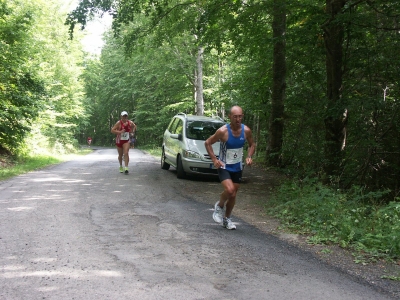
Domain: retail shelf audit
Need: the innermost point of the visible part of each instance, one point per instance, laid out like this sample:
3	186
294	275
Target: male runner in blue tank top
232	137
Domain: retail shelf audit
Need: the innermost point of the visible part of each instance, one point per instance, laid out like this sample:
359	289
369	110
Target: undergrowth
11	166
152	150
25	164
353	219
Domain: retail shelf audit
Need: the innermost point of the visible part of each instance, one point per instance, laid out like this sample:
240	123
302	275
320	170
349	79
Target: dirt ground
5	161
255	191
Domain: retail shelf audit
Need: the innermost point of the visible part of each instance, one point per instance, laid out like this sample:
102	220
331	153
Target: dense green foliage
41	95
21	91
161	38
355	219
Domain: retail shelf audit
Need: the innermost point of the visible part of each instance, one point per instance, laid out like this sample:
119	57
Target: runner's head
124	114
236	115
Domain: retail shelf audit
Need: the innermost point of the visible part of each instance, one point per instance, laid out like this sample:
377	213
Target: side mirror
177	136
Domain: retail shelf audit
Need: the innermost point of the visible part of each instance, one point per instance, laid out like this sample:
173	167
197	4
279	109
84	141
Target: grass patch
395	278
352	219
11	167
152	150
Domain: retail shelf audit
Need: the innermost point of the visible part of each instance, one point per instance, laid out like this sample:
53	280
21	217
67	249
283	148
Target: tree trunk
336	113
276	123
199	83
256	130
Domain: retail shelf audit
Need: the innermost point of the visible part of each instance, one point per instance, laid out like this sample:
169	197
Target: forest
318	82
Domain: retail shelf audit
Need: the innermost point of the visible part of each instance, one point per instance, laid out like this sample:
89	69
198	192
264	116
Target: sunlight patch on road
44	259
65	273
47	179
21	208
13	268
48	289
73	181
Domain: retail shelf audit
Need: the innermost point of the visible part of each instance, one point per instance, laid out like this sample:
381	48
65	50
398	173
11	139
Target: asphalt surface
82	230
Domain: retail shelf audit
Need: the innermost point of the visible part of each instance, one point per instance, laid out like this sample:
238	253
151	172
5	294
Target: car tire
179	169
164	165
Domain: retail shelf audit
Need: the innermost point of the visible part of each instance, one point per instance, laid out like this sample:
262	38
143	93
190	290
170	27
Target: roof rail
217	117
182	114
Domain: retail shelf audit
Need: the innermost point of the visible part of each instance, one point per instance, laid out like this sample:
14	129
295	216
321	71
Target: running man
122	129
132	140
232	137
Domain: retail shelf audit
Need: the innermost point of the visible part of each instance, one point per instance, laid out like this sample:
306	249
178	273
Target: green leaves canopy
39	74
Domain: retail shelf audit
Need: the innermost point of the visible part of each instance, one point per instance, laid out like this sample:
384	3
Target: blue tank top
231	151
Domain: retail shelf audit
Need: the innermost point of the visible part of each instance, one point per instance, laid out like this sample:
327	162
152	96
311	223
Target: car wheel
179	168
164	165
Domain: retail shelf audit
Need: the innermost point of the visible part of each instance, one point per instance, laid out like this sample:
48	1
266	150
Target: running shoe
121	169
218	213
126	170
227	223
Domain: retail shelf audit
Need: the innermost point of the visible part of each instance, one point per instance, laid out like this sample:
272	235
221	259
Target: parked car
183	144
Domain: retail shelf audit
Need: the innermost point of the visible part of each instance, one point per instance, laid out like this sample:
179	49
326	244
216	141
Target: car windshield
202	130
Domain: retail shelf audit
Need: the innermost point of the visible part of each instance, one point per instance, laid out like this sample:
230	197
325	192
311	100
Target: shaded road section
82	230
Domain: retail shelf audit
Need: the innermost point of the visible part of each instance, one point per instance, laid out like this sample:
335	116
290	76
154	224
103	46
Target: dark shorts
236	177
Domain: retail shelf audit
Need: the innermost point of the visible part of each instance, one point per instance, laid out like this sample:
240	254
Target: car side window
179	127
172	125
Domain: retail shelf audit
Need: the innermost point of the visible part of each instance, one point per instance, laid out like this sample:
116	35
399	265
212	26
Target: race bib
125	136
234	156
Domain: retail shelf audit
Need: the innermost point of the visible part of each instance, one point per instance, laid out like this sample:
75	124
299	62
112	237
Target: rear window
202	130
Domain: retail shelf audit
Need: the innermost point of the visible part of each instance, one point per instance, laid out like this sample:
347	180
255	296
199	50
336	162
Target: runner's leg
120	152
228	196
126	153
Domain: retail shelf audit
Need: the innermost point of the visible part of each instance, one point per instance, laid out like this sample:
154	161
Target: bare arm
219	135
252	146
133	129
116	128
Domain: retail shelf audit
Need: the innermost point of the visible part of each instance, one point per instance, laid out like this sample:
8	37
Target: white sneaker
227	223
218	213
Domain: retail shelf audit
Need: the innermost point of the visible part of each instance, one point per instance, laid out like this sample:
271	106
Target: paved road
82	230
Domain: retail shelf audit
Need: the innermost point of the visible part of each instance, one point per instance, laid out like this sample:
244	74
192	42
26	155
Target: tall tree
279	83
336	113
199	83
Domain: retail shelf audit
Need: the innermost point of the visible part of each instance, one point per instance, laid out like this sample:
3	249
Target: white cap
124	113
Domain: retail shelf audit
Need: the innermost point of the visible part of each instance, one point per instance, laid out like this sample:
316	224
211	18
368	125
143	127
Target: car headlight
191	154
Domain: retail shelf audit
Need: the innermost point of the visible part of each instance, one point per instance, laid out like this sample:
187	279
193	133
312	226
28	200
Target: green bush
346	218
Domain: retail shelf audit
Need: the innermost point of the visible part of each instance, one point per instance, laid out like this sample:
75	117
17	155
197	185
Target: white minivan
183	144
